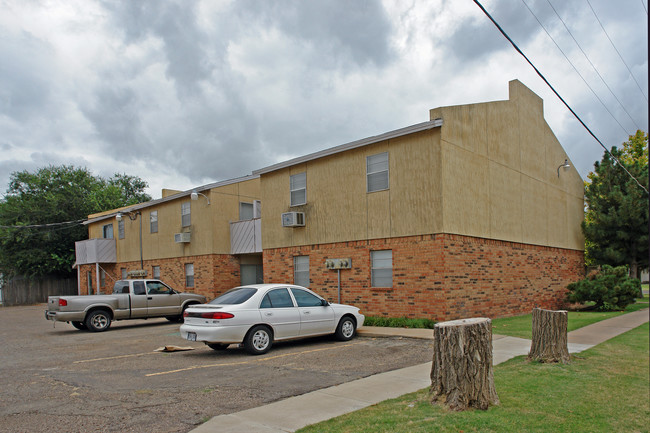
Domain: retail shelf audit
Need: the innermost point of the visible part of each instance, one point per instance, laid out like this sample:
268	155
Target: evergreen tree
616	220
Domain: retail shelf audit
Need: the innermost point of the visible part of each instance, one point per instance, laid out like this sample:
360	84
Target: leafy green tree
41	215
616	220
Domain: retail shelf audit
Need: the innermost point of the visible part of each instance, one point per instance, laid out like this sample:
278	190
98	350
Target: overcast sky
185	93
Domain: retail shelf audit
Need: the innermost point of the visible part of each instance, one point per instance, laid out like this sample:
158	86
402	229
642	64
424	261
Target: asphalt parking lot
59	379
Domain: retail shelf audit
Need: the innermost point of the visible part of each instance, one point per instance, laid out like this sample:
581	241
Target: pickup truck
131	299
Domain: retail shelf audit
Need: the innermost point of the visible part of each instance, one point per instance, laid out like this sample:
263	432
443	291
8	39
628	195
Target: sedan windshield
235	296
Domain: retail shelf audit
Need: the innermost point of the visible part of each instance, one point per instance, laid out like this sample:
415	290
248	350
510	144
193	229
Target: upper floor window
382	268
107	231
185	214
120	229
298	186
245	211
153	221
377	172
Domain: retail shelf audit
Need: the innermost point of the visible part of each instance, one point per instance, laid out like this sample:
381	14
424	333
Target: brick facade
213	273
441	276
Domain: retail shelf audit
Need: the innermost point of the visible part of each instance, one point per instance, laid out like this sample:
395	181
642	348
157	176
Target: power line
42	226
593	66
556	93
615	49
574	68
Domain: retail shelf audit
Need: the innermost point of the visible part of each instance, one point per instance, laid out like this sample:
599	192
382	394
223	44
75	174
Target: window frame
153	221
369	173
300	274
121	229
243	204
375	269
186	214
294	178
189	278
106	231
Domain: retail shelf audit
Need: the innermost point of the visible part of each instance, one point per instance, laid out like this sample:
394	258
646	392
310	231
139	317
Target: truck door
139	300
161	300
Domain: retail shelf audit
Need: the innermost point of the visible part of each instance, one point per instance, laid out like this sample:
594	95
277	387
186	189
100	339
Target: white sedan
259	314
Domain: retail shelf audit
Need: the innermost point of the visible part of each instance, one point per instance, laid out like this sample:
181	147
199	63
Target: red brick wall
442	277
213	274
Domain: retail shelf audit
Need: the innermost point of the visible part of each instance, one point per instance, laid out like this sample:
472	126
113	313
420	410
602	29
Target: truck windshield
237	295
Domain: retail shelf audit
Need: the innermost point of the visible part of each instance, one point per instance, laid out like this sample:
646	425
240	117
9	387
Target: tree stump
462	376
549	336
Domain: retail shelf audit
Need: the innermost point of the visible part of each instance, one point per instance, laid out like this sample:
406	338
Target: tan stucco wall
210	225
339	208
499	175
490	171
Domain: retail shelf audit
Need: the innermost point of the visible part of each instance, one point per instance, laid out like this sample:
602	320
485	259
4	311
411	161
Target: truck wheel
79	325
98	321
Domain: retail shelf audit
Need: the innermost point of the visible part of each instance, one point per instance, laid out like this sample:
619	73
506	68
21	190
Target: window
251	274
377	172
120	229
234	296
156	271
107	231
301	271
189	274
278	298
185	214
245	211
102	278
123	273
157	288
306	299
89	275
138	288
298	186
153	221
382	268
121	287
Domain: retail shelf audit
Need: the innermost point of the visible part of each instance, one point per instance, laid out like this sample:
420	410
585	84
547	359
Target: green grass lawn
604	389
522	326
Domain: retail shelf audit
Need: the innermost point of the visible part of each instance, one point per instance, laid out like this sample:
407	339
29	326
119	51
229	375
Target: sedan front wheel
345	330
258	341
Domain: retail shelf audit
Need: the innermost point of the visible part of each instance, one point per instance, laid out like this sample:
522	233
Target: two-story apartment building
203	240
473	212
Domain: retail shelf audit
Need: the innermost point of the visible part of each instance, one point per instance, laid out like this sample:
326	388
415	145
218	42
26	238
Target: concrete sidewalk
294	413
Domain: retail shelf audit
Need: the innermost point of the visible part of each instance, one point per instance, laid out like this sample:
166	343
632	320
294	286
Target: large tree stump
462	375
549	336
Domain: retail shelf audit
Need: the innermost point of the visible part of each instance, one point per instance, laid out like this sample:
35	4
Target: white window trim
296	272
373	268
189	266
304	173
186	205
368	173
152	222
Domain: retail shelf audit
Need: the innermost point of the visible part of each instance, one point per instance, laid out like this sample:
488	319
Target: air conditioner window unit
293	219
180	238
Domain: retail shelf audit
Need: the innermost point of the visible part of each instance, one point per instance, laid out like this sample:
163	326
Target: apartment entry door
251	274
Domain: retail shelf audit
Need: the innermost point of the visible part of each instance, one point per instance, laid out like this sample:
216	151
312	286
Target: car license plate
191	336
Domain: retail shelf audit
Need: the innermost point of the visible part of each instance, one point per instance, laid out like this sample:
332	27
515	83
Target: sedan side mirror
324	303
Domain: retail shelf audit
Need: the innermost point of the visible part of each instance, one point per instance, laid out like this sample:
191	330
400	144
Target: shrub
399	322
609	288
